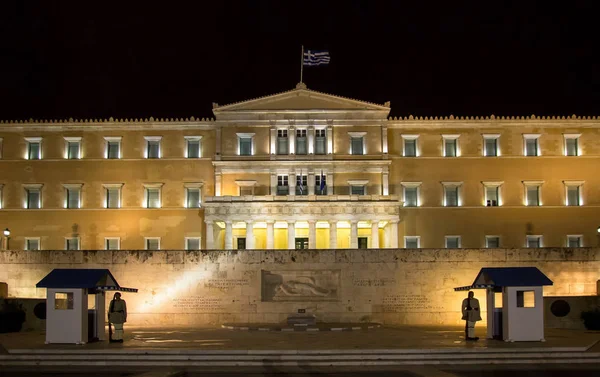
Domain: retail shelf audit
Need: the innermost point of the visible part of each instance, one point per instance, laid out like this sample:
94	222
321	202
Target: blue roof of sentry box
99	279
491	277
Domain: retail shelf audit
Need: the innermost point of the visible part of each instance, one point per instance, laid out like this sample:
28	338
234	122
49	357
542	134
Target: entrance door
301	243
241	243
362	242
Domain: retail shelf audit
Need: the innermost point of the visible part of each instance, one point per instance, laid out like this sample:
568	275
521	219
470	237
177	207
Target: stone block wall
392	286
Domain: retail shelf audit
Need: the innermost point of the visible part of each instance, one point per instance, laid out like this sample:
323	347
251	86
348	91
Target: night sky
125	59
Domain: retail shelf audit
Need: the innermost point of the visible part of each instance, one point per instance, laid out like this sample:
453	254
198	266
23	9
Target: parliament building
300	169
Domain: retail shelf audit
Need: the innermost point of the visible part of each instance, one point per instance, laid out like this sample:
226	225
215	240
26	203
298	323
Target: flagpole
301	63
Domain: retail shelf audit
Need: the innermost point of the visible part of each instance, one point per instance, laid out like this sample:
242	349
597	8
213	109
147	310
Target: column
374	234
384	140
394	234
354	234
228	235
210	235
218	179
311	182
329	182
273	183
292	182
218	143
270	234
291	234
329	139
292	139
250	235
385	182
312	234
310	138
333	234
273	133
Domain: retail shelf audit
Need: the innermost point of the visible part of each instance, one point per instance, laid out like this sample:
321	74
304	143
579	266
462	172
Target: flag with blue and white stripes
312	57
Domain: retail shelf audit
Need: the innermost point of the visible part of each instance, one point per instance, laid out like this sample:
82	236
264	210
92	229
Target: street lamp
6	237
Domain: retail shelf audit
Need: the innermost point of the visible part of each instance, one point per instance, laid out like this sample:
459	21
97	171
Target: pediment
300	99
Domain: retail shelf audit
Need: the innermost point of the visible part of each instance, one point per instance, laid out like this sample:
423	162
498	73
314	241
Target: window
534	241
241	243
301	243
246	187
33	196
73	148
490	145
112	243
452	242
411	193
451	194
358	186
573	193
301	185
410	145
412	242
492	193
192	243
531	144
572	144
113	195
320	142
492	242
533	193
34	148
357	143
152	243
72	243
193	195
193	146
525	299
363	242
450	145
282	185
245	144
153	146
72	196
301	143
575	241
32	243
152	195
282	141
63	300
113	147
321	184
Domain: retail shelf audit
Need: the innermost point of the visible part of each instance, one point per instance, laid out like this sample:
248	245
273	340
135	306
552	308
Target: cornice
106	124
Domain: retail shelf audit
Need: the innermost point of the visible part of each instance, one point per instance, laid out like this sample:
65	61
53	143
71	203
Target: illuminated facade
300	169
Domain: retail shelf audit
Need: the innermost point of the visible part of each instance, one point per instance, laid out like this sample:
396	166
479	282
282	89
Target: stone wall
393	286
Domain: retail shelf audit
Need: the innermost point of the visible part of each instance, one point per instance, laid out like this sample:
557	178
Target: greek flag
322	187
312	57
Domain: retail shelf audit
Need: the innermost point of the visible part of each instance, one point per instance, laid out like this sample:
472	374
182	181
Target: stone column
218	178
333	234
374	234
310	139
250	235
273	141
270	234
228	235
292	140
384	140
354	234
218	143
273	183
291	234
292	182
329	140
311	182
210	235
312	234
329	183
385	181
394	234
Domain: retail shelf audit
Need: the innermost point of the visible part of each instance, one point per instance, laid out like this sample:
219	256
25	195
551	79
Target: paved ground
382	338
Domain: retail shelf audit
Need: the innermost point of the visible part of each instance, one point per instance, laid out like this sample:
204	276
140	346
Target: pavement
185	347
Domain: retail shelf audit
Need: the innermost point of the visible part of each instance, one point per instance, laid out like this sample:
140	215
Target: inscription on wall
199	304
408	303
374	282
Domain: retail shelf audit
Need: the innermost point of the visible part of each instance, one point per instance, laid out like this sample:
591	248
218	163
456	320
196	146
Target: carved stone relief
300	286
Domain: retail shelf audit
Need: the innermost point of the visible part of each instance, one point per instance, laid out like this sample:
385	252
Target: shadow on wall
565	312
21	314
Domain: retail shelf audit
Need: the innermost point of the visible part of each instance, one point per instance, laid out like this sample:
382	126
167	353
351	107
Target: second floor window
412	242
152	243
492	242
113	148
301	185
152	197
411	196
112	243
113	197
574	241
451	196
192	243
532	147
321	184
320	142
73	148
282	141
34	149
245	146
573	195
534	241
490	146
34	198
193	147
357	190
357	145
32	244
282	185
410	147
193	197
491	196
450	145
153	147
301	143
452	242
72	243
533	195
73	197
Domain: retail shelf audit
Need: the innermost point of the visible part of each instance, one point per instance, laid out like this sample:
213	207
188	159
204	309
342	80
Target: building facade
301	169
